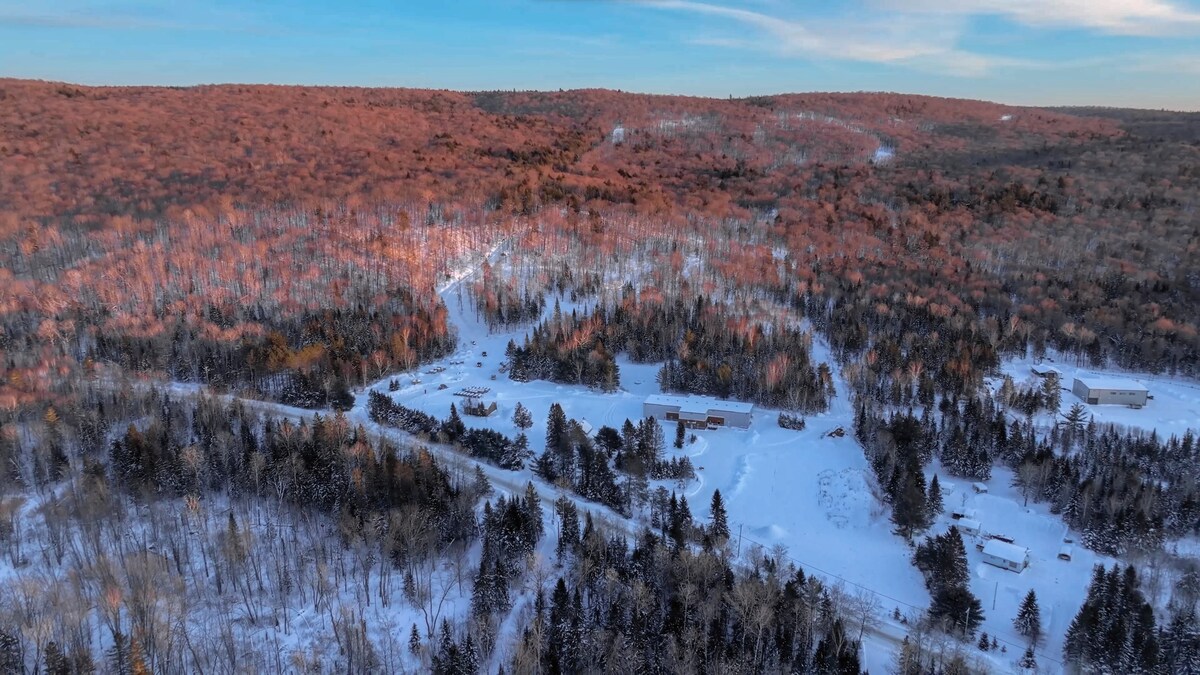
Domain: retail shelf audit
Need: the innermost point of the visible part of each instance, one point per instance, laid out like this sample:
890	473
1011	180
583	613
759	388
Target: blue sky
1143	53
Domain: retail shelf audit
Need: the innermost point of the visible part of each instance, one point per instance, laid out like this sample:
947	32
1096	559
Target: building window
672	416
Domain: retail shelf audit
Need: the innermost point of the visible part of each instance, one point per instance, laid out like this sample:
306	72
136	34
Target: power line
1007	639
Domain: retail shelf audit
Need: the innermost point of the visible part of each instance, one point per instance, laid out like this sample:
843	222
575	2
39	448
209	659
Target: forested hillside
296	244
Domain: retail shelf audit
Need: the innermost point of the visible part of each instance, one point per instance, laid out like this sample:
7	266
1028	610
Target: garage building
698	412
1109	390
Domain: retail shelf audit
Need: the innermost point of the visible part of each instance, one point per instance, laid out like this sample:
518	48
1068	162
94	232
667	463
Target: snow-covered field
1174	409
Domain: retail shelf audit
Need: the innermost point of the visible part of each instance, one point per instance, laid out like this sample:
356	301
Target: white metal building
1110	390
698	411
1006	556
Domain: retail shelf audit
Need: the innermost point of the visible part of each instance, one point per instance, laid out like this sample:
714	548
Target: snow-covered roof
1005	551
699	404
967	524
1103	382
1043	369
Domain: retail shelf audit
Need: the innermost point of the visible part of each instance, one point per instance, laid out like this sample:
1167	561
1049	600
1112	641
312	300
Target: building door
719	421
1093	400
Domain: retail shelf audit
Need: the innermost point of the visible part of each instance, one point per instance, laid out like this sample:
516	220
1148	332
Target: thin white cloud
927	43
1116	17
1182	64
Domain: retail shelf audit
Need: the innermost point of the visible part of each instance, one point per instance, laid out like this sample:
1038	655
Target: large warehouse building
698	412
1108	390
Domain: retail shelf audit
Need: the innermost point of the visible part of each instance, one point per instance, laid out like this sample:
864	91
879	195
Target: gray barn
698	412
1108	390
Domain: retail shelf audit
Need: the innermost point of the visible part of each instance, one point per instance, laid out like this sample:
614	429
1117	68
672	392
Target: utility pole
995	591
739	548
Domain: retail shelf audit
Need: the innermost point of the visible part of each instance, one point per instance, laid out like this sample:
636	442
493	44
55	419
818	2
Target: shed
1065	552
698	412
979	488
962	512
1095	390
968	526
1006	556
1043	370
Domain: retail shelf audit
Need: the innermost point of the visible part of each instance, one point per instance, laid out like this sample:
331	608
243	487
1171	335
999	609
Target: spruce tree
556	429
719	521
1028	662
984	643
414	641
522	418
1076	417
12	660
680	434
1028	621
56	662
453	427
934	506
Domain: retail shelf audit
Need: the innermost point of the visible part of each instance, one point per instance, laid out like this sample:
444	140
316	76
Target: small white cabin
979	488
1065	552
1006	556
969	526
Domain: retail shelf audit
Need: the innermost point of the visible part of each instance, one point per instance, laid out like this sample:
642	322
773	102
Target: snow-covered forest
269	422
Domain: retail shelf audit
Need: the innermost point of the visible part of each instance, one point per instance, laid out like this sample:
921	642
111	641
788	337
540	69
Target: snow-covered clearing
808	493
1174	408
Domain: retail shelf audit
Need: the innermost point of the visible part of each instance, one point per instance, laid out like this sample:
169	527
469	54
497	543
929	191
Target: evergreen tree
56	662
1076	417
568	532
1181	643
1028	621
934	506
414	641
1028	661
956	608
718	520
556	429
680	434
119	661
453	427
522	418
984	643
1052	393
12	659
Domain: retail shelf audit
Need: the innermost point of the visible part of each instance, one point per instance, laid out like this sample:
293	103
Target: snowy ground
808	493
811	493
1060	585
1174	409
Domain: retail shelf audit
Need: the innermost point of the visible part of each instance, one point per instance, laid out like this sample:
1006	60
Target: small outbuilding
1045	371
1006	556
698	412
1109	391
979	488
968	526
1066	552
